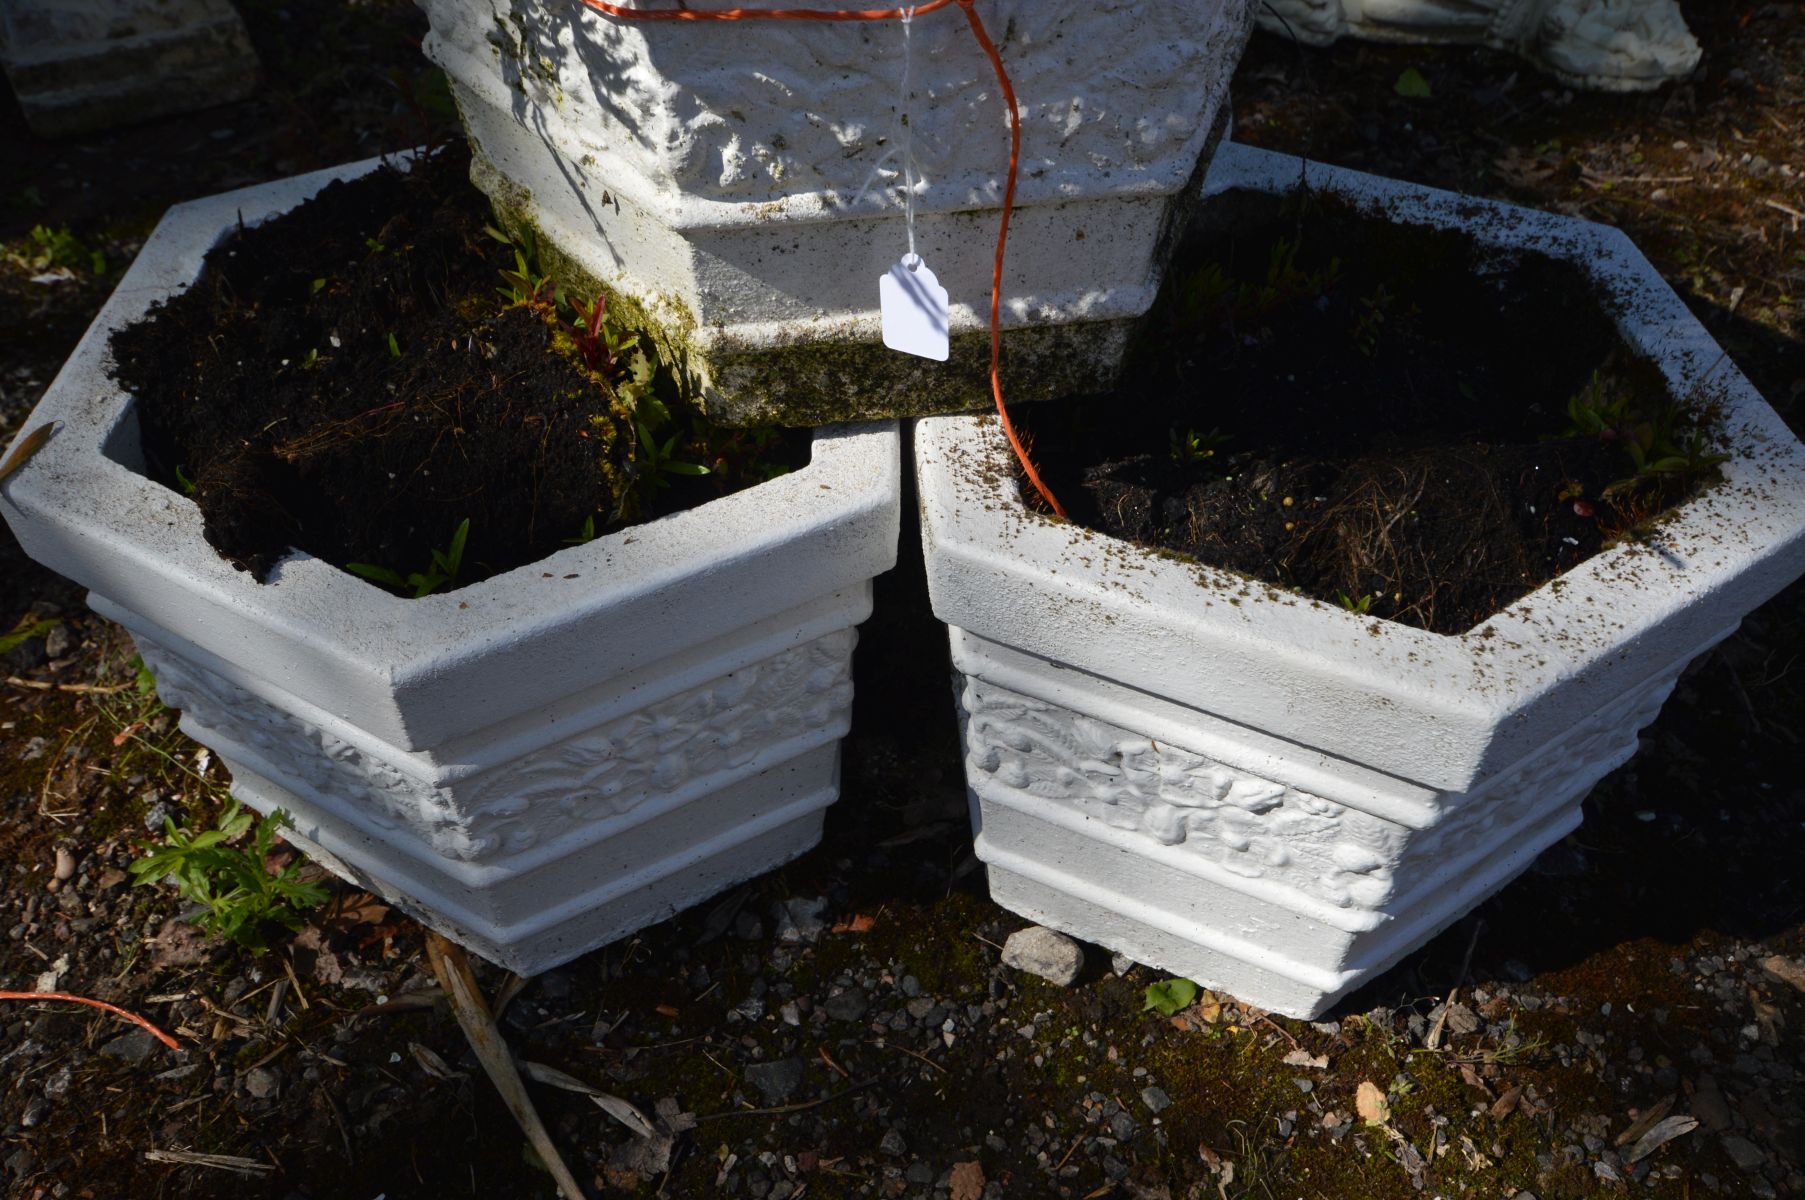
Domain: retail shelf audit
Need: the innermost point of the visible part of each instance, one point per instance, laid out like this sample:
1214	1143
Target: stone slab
79	66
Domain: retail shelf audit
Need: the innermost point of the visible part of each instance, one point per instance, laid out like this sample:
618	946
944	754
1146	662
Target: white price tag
914	309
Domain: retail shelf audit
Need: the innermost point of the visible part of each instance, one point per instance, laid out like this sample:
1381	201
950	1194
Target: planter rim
1579	634
141	544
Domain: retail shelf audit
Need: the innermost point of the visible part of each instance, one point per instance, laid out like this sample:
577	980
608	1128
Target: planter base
766	821
80	66
1167	845
776	359
1600	45
528	852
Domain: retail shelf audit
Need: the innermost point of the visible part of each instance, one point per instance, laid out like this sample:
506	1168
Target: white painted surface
742	179
478	756
1275	796
1602	45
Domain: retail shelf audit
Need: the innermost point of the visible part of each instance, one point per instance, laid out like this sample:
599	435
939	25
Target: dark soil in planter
1370	415
347	379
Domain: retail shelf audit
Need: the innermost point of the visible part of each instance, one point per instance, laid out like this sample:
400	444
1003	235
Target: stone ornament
535	764
1274	796
1598	45
740	183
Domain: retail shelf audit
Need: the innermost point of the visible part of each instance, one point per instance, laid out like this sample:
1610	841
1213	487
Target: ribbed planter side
737	180
1280	798
534	764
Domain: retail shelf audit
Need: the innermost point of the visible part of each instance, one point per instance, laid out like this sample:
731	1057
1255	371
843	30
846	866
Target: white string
908	151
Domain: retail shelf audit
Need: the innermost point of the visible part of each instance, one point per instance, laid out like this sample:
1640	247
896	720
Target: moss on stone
822	382
819	382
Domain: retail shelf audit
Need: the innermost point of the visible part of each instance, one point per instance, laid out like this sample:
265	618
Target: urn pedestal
740	183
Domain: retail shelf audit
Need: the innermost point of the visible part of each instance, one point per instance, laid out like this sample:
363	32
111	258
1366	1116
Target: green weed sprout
239	894
1170	996
25	630
524	284
45	248
1191	446
444	569
1662	445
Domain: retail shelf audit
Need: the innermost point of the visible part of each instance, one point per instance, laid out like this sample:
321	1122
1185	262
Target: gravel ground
1624	1019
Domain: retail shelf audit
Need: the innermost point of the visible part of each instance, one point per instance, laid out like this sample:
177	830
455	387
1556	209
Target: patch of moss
821	379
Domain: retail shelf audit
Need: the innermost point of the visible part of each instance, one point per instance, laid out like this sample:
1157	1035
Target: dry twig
219	1162
449	964
85	689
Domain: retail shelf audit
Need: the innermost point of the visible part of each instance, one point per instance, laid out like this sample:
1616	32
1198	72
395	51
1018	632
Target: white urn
742	183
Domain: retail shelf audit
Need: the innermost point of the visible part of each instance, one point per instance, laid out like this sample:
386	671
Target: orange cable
763	14
92	1003
996	278
1015	153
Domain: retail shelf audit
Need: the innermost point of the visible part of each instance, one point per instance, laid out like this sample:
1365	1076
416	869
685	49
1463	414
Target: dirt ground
843	1027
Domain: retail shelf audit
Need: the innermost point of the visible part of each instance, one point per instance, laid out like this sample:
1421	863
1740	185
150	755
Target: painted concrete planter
739	179
535	764
1603	45
78	66
1280	798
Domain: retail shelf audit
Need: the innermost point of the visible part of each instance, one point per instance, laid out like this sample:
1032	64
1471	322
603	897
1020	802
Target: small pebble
1054	957
133	1047
776	1081
262	1083
847	1005
59	642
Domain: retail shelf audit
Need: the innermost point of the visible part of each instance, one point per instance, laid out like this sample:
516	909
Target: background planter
534	764
732	179
1605	45
1280	798
78	66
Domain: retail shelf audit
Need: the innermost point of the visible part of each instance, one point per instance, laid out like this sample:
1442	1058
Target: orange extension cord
67	998
1015	152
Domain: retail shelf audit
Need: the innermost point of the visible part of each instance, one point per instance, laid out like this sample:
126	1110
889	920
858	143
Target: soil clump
348	378
1392	419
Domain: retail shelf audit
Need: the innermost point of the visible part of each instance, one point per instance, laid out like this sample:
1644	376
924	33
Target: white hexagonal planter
1279	798
535	764
737	179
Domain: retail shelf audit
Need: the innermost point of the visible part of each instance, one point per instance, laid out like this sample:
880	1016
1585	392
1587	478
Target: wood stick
453	969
